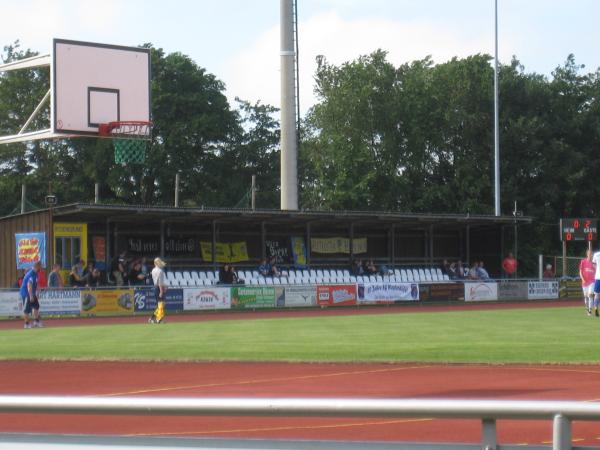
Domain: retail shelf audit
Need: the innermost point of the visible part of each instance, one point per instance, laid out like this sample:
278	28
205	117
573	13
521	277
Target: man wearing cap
160	285
29	295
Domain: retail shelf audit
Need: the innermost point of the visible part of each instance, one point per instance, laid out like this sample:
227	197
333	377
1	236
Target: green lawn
545	335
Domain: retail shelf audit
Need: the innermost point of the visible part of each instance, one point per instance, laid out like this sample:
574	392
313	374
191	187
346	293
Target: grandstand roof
143	213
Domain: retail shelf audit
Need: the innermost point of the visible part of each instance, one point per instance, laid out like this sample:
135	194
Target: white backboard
98	83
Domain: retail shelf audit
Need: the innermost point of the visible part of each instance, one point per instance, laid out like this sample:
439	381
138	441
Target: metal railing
562	413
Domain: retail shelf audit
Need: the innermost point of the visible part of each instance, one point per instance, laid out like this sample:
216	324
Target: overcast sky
238	40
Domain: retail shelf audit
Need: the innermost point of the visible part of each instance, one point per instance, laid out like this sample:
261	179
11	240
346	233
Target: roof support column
107	256
431	244
162	238
263	238
351	235
392	244
214	245
468	241
308	243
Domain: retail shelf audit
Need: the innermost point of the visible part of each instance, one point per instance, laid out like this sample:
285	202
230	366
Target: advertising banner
512	290
441	292
145	299
11	304
336	295
387	292
107	301
31	248
570	289
299	252
542	290
299	296
479	292
206	298
249	297
60	301
226	252
338	245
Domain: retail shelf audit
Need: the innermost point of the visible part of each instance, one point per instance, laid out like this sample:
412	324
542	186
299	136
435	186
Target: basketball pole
289	149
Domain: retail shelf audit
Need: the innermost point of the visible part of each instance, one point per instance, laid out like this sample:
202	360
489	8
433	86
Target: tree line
411	138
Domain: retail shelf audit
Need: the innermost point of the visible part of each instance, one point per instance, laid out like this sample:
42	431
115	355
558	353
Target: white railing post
561	433
489	439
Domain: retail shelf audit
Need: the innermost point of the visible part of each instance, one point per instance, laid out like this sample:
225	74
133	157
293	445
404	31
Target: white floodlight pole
289	149
496	119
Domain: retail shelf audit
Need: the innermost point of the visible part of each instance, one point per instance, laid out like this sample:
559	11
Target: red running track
299	380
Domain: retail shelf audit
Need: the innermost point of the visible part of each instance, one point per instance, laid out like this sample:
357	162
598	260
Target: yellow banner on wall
110	301
230	252
338	245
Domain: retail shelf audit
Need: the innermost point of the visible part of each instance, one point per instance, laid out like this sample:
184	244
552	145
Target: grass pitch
545	335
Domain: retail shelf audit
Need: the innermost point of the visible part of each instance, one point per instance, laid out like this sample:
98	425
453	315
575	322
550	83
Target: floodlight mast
289	142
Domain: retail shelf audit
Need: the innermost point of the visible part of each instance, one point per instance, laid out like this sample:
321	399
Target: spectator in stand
370	268
94	278
42	279
233	276
224	274
75	280
118	268
509	266
135	276
145	270
19	282
445	267
54	279
473	275
453	272
460	270
274	272
357	268
88	269
481	272
548	273
265	268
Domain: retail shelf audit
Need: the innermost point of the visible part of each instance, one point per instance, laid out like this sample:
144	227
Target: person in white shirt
159	280
596	262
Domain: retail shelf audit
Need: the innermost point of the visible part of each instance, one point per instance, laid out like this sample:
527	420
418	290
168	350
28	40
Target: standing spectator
159	280
586	273
118	268
88	269
481	272
370	268
453	272
54	279
75	279
94	278
509	266
460	270
145	270
42	280
224	274
28	293
445	268
548	273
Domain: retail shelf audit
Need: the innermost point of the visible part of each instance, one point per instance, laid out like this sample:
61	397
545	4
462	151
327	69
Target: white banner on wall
542	289
388	292
60	301
206	298
299	296
10	303
479	292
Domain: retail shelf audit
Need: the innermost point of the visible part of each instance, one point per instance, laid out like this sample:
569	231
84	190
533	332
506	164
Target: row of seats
319	276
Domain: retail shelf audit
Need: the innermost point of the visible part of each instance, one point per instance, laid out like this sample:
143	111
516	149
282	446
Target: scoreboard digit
578	229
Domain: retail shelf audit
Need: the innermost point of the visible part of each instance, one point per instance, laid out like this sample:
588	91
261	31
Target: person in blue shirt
31	305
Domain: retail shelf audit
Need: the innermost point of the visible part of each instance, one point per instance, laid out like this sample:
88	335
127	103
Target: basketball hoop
129	138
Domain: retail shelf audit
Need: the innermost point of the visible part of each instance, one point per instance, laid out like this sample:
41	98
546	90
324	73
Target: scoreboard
578	229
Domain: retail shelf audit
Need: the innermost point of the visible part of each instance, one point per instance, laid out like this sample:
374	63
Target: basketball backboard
90	84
